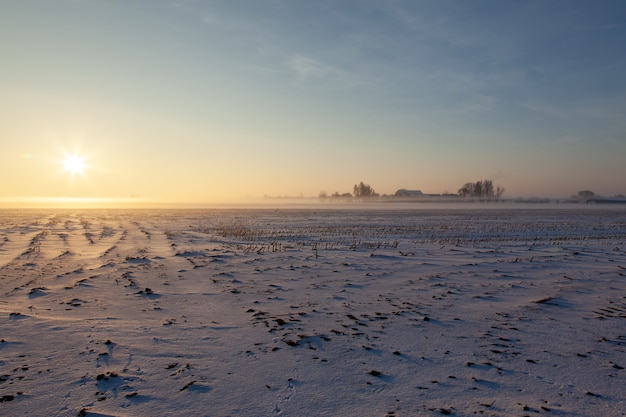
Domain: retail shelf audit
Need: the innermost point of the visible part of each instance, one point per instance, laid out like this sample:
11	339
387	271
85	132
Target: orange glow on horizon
70	202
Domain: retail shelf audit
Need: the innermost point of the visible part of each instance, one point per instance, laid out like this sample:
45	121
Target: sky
201	102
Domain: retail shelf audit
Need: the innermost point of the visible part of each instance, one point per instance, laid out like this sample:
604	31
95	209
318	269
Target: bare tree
586	195
362	190
481	189
467	190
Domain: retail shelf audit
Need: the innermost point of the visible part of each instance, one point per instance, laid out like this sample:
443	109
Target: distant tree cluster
342	195
586	195
362	190
483	190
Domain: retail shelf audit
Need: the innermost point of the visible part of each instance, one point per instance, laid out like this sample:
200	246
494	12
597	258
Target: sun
74	164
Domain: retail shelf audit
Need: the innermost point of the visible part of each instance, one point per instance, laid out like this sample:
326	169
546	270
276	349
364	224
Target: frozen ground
313	312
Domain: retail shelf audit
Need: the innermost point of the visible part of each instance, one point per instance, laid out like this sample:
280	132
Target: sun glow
74	164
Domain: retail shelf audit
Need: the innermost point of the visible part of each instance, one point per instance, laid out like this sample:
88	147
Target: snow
321	312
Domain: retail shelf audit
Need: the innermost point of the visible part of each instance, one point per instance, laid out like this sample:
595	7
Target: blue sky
207	101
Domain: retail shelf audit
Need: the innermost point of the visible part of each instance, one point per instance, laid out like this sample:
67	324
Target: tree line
484	190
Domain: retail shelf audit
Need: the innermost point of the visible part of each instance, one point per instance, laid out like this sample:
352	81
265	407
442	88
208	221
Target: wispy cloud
308	68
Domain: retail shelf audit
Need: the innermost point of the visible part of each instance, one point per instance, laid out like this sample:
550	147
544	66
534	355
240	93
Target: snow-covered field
306	312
